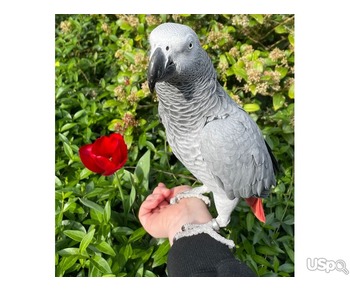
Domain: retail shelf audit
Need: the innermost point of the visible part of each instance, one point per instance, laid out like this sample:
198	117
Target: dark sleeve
202	256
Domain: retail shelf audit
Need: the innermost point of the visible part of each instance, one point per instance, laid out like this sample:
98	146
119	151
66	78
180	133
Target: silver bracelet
208	228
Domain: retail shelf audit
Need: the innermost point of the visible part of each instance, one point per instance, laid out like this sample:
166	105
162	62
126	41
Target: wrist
190	211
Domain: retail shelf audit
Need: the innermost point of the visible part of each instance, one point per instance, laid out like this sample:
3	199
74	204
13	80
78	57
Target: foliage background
101	63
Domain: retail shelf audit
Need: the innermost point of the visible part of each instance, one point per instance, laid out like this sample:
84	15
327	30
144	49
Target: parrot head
175	54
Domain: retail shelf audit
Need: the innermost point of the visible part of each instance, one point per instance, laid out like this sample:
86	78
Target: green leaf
71	224
260	260
110	103
278	101
92	205
132	197
223	60
61	90
251	107
122	230
84	173
101	264
69	251
94	271
276	264
291	39
253	89
68	126
66	263
269	250
58	182
63	138
280	29
113	38
69	206
287	268
160	255
250	221
289	251
108	275
142	170
142	254
68	150
105	248
137	234
291	91
289	219
230	71
140	270
86	240
126	250
107	212
258	235
96	218
258	65
258	17
247	245
252	264
279	211
282	71
78	114
240	72
142	140
149	273
76	235
130	57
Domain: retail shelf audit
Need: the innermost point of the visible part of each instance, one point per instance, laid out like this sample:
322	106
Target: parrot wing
236	155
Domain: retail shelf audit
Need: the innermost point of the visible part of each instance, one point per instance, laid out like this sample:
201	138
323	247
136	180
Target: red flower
106	155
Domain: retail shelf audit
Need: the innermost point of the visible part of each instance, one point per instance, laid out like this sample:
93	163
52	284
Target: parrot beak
159	68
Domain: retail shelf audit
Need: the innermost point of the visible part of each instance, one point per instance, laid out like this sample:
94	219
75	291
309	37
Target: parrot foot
194	193
211	228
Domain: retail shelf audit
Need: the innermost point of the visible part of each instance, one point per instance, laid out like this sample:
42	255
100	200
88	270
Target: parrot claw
215	224
190	194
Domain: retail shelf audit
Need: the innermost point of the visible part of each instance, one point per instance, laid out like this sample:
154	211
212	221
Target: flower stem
122	196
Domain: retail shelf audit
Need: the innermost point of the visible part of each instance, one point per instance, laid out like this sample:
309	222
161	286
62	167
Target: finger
148	205
158	198
161	188
153	202
145	211
161	185
163	192
163	204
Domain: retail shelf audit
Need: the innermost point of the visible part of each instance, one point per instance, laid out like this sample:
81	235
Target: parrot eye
167	48
190	45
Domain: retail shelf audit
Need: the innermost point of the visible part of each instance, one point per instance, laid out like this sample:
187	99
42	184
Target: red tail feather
257	208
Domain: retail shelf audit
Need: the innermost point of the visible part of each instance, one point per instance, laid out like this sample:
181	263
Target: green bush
101	65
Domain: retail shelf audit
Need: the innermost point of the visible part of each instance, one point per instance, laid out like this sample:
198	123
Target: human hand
160	219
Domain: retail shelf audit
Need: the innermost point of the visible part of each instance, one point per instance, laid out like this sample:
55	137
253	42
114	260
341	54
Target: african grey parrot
213	137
